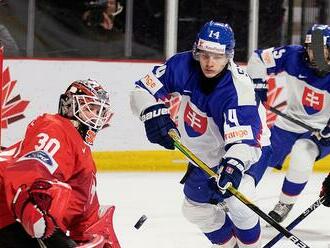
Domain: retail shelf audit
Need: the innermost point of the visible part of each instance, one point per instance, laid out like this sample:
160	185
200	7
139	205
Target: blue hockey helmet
215	37
325	31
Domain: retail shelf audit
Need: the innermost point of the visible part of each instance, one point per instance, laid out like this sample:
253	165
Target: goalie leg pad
104	227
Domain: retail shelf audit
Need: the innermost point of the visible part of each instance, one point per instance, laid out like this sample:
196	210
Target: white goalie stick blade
317	47
97	242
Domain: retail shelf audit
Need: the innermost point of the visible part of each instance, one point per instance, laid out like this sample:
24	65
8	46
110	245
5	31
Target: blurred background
148	29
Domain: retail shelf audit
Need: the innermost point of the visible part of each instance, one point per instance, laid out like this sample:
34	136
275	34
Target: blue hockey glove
260	88
157	122
324	134
230	173
325	191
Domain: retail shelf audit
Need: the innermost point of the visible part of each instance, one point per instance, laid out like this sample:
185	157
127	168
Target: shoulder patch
152	83
268	58
44	158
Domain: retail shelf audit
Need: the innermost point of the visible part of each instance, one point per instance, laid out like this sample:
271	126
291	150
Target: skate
280	211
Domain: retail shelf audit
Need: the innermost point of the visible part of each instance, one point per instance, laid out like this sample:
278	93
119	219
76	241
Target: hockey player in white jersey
308	100
218	120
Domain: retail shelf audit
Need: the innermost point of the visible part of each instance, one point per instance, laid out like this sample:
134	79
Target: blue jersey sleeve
280	59
169	77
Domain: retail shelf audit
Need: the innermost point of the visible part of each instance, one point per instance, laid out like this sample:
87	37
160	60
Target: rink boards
162	161
32	87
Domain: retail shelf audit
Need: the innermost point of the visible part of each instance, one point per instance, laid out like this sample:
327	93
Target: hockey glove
230	173
324	135
325	191
39	208
260	88
157	122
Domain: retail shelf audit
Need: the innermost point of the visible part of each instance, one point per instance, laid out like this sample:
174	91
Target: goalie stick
177	143
296	221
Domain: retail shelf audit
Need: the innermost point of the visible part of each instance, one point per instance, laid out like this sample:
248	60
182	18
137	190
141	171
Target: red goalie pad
101	234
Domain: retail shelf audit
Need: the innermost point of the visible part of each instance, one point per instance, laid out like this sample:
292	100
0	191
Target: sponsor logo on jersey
312	101
238	133
267	57
44	158
12	107
194	123
151	83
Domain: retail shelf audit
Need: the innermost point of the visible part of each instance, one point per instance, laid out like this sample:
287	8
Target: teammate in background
308	100
219	121
325	191
49	186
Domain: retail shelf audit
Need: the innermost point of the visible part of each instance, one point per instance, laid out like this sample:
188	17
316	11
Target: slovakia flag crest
312	101
194	123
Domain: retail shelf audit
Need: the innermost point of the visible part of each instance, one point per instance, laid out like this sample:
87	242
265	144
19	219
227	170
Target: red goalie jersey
48	181
53	149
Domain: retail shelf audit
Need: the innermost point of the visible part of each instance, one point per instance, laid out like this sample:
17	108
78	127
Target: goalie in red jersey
48	188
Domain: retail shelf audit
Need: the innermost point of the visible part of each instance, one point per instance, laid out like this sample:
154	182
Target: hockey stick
177	143
293	120
318	50
295	222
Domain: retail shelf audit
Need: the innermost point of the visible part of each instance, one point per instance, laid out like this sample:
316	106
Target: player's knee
305	148
242	216
303	156
206	216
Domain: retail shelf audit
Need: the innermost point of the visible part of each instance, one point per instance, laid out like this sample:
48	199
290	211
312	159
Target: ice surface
159	196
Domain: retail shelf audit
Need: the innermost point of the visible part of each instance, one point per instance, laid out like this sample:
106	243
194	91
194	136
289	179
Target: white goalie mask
86	102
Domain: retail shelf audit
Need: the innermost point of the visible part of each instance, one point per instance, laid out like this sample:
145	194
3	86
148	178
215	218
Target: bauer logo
12	107
312	101
194	123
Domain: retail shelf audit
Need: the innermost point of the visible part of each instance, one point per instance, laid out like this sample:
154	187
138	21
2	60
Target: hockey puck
140	222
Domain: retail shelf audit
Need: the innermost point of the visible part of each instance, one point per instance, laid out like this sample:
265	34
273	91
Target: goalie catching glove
157	122
39	208
230	173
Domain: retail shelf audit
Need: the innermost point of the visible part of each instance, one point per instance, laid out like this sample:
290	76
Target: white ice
159	196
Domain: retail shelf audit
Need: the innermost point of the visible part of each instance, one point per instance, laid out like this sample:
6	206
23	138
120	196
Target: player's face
92	112
211	63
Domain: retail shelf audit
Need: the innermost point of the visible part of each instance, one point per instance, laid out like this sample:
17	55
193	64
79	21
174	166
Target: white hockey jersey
308	95
209	124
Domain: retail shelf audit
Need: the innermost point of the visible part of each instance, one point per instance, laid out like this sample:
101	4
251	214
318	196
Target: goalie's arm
35	197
